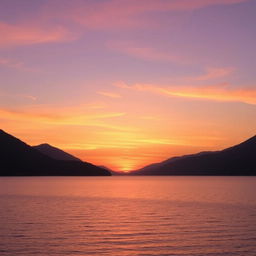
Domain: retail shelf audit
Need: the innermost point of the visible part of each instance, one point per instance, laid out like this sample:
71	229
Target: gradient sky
124	83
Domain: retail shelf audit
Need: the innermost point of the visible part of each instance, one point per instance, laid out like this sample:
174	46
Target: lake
119	216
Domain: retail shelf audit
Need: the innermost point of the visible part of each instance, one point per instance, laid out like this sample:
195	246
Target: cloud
111	14
11	63
96	105
19	34
128	140
10	96
57	20
110	94
30	97
219	92
213	73
145	53
15	64
183	5
75	116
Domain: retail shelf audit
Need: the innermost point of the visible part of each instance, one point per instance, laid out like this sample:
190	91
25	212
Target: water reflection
128	216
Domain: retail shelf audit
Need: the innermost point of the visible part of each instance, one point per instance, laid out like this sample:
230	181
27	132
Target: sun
126	165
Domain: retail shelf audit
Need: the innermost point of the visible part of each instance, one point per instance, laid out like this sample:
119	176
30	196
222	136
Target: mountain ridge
239	159
55	152
19	159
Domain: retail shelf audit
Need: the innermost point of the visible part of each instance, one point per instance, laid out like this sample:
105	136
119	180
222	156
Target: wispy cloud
213	73
15	64
110	94
96	105
219	92
127	13
57	20
17	96
143	52
11	63
130	140
27	96
75	116
20	34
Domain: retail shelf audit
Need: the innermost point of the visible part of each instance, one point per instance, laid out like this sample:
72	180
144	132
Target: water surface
200	216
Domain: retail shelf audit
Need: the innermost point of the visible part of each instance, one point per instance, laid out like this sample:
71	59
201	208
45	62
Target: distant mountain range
236	160
19	159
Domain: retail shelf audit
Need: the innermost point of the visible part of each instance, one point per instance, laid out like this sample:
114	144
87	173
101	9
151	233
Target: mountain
55	153
236	160
19	159
106	168
59	154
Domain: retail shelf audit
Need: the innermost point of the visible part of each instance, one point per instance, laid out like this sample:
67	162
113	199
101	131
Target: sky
126	83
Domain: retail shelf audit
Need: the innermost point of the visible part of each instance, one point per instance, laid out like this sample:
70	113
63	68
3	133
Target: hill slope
19	159
237	160
55	153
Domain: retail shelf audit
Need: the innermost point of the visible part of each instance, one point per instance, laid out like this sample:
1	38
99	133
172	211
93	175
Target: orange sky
125	84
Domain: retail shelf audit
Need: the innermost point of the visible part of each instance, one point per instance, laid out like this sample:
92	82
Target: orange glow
124	140
186	82
115	140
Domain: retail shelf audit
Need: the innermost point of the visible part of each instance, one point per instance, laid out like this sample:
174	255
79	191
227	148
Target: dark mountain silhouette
114	173
55	153
106	168
236	160
19	159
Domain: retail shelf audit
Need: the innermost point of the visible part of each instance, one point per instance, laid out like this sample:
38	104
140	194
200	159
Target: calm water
117	216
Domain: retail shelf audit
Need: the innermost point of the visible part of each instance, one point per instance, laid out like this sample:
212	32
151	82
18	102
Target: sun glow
116	83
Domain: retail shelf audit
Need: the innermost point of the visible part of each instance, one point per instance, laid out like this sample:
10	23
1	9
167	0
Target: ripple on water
94	220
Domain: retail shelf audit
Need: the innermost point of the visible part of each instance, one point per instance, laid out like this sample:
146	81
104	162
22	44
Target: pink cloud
213	73
144	53
16	64
11	63
125	13
110	94
12	35
219	92
94	15
17	96
59	115
30	97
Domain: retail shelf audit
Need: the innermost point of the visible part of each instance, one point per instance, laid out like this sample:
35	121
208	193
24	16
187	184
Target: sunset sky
125	83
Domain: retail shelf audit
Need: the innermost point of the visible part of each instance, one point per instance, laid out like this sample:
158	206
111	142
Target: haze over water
201	216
